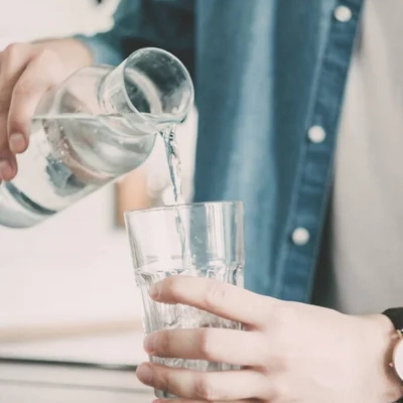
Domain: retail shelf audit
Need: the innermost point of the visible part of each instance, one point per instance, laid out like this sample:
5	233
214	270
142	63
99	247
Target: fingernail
17	143
155	290
145	374
149	344
5	170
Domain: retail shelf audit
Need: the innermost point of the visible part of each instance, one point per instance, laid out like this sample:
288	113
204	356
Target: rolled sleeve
168	24
102	50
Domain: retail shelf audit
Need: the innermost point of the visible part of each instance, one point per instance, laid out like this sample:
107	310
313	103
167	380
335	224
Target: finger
27	92
211	386
8	166
13	61
225	300
217	345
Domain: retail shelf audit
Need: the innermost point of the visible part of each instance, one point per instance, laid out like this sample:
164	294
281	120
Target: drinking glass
201	239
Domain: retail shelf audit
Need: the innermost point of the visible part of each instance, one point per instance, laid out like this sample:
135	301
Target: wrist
383	344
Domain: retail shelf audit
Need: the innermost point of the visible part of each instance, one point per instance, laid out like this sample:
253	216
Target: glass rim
184	206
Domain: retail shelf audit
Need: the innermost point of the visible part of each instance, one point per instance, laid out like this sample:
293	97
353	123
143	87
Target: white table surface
33	394
29	383
20	383
122	348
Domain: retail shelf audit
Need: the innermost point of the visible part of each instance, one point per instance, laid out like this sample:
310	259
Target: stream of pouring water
174	163
175	171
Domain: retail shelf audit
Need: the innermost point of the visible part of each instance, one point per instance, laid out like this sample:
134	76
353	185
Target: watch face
398	359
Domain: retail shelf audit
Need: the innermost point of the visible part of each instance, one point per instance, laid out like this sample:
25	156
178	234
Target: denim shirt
270	77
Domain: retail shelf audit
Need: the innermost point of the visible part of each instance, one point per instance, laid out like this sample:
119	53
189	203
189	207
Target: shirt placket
305	223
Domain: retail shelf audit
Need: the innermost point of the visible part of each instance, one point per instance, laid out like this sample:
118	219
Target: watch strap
396	317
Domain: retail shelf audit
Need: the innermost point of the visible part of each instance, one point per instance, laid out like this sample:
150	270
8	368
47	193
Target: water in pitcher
62	165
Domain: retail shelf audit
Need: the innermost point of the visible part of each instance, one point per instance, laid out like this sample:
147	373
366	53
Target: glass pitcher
98	125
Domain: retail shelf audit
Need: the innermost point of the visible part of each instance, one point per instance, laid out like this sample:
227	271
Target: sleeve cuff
102	51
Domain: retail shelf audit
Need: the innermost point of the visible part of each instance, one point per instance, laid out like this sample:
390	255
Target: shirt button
342	14
316	134
300	236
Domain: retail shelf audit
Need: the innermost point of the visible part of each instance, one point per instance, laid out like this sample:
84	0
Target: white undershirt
362	263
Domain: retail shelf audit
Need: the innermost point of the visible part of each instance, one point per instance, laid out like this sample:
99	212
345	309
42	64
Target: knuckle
13	50
281	327
264	350
283	362
206	343
165	382
44	52
47	55
10	61
280	391
163	342
215	294
282	314
172	288
23	88
205	390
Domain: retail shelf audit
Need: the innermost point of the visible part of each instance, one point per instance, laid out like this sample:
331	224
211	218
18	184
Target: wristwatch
396	317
